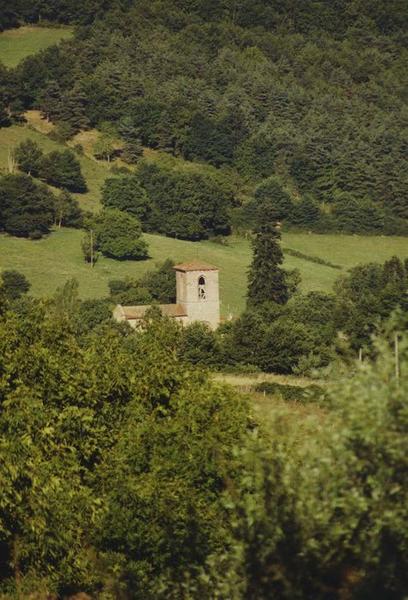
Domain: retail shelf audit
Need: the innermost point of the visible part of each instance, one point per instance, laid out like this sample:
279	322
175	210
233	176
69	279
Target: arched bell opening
202	292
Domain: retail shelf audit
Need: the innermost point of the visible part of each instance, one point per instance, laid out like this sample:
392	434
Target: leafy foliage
61	169
85	427
29	157
67	211
186	205
368	295
126	194
158	285
118	235
13	284
100	436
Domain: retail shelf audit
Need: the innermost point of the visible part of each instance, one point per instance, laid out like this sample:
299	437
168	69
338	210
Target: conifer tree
266	281
270	195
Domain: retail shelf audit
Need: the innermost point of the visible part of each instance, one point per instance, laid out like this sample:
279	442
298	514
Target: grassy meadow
17	44
268	408
49	262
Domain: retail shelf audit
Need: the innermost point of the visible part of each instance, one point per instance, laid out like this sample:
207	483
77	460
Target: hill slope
94	172
49	262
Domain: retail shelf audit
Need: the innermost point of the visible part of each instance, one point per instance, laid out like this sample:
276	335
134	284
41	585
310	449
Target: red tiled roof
138	312
195	266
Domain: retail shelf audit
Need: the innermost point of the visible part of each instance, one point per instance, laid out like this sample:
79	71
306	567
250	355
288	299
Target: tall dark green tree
270	195
133	149
63	170
266	280
26	208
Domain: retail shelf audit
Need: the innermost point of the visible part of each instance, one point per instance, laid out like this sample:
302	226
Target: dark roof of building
195	266
138	312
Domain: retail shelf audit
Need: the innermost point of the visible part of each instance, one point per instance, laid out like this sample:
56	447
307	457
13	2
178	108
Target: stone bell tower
198	292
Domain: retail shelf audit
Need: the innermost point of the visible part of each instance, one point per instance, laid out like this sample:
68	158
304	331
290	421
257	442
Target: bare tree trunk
92	248
397	364
11	162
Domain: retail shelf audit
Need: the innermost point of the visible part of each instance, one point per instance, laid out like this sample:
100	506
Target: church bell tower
198	292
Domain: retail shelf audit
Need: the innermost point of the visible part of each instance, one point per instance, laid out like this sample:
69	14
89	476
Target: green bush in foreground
109	471
126	473
321	507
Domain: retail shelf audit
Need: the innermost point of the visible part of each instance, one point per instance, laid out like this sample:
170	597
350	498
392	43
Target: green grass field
49	262
17	44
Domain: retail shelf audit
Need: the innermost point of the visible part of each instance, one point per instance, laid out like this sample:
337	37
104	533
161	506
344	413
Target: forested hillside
310	93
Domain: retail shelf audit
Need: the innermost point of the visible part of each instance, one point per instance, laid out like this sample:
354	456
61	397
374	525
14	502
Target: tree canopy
26	208
309	92
118	235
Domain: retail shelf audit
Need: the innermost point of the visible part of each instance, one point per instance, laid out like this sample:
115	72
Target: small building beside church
197	298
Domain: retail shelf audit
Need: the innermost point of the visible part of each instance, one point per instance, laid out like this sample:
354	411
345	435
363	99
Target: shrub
126	194
129	291
118	235
63	170
26	208
14	284
199	345
310	393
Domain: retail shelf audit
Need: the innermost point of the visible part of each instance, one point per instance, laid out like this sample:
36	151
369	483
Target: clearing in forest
17	44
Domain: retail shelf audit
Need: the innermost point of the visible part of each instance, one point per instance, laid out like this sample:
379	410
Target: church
197	298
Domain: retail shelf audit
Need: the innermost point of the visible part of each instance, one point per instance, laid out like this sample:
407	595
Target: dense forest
311	94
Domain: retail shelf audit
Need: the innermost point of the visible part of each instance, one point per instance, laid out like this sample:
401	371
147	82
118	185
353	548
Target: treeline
58	168
126	473
58	11
309	92
297	16
185	205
